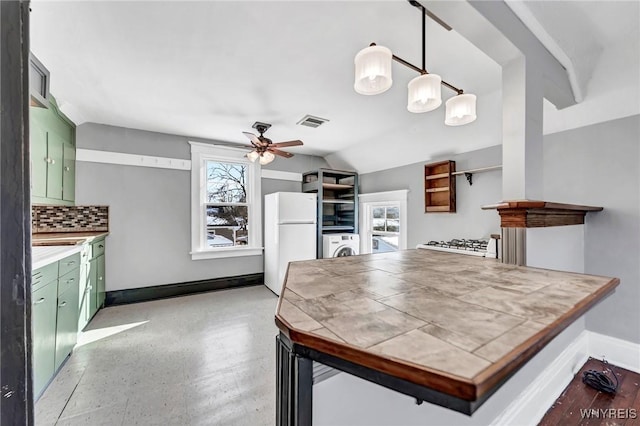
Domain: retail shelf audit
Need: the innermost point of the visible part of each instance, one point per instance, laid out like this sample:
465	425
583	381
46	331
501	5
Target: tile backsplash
69	219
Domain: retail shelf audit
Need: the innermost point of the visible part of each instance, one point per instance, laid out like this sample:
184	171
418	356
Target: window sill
225	252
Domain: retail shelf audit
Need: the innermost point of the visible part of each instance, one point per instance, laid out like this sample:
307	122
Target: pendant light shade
373	70
460	109
424	93
266	158
253	156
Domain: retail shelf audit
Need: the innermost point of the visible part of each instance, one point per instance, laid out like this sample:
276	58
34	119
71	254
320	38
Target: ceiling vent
311	121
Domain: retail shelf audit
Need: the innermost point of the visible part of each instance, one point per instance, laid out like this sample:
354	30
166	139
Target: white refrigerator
289	233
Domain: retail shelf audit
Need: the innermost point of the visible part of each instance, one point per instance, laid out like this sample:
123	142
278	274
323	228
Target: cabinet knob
70	280
101	246
71	262
67	168
89	289
63	304
39	301
48	160
99	278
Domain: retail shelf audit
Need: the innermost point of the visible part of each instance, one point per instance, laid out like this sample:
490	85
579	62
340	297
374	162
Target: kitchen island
441	327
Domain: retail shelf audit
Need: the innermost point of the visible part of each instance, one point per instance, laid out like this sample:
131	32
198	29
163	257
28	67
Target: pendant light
253	156
373	70
424	93
460	109
373	76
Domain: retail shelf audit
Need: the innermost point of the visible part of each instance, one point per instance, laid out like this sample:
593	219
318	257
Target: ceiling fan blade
280	153
253	138
287	143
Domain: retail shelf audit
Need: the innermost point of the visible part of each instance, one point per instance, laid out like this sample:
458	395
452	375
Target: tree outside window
227	210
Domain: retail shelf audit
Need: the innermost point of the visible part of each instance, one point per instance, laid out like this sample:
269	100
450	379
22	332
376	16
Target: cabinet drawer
68	281
44	275
68	264
97	248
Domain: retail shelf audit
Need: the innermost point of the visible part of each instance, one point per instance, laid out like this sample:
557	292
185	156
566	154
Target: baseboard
145	294
531	405
618	352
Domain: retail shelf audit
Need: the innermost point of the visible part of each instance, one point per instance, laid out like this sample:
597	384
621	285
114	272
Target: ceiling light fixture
373	76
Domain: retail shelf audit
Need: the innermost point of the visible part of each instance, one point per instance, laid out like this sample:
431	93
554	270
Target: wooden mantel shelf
537	214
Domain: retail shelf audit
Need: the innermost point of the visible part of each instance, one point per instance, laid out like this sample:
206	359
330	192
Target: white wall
149	208
469	221
598	165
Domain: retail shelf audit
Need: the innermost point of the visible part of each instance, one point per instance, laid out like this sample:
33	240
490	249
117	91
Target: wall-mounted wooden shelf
440	187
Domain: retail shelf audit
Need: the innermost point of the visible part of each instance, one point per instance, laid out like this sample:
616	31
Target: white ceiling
209	69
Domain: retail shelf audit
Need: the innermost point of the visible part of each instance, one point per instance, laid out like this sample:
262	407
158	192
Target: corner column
522	156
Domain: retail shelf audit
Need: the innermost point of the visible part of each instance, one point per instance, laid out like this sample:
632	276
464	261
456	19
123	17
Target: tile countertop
453	323
48	248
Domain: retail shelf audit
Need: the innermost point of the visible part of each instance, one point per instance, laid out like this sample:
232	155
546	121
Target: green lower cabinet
67	316
100	294
43	320
83	289
93	287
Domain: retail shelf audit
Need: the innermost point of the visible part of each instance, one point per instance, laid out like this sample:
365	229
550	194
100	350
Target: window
383	219
385	228
225	203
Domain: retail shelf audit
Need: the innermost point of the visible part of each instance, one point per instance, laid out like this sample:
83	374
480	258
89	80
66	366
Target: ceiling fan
264	148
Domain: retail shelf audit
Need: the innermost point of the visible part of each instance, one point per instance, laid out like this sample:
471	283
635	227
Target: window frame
381	199
200	154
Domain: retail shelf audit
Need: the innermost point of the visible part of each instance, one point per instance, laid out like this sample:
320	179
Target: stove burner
461	244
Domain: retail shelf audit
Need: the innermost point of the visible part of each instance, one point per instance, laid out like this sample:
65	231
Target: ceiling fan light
253	156
424	93
266	158
373	70
460	110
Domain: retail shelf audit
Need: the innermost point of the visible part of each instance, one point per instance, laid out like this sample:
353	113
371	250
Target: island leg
294	385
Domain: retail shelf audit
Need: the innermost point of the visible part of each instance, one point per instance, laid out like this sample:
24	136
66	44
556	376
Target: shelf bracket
469	177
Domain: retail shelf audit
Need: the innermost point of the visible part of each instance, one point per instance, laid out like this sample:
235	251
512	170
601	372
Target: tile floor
204	359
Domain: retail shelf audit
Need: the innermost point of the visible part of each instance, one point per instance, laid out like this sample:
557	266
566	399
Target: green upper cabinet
53	155
69	173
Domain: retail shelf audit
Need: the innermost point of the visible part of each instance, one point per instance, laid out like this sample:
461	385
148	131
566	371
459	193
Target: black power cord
599	379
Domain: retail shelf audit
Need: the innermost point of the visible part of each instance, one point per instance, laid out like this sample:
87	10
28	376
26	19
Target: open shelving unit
337	201
440	187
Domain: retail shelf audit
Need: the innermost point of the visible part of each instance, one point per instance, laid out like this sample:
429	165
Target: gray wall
469	221
150	218
599	165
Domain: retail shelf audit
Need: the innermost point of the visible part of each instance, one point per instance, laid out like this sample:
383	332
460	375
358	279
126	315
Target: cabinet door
55	147
69	172
43	320
93	287
38	139
67	321
100	294
83	289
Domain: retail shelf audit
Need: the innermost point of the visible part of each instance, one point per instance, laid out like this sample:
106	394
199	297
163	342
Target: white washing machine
339	245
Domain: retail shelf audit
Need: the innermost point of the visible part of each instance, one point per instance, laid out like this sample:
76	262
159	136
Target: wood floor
580	404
